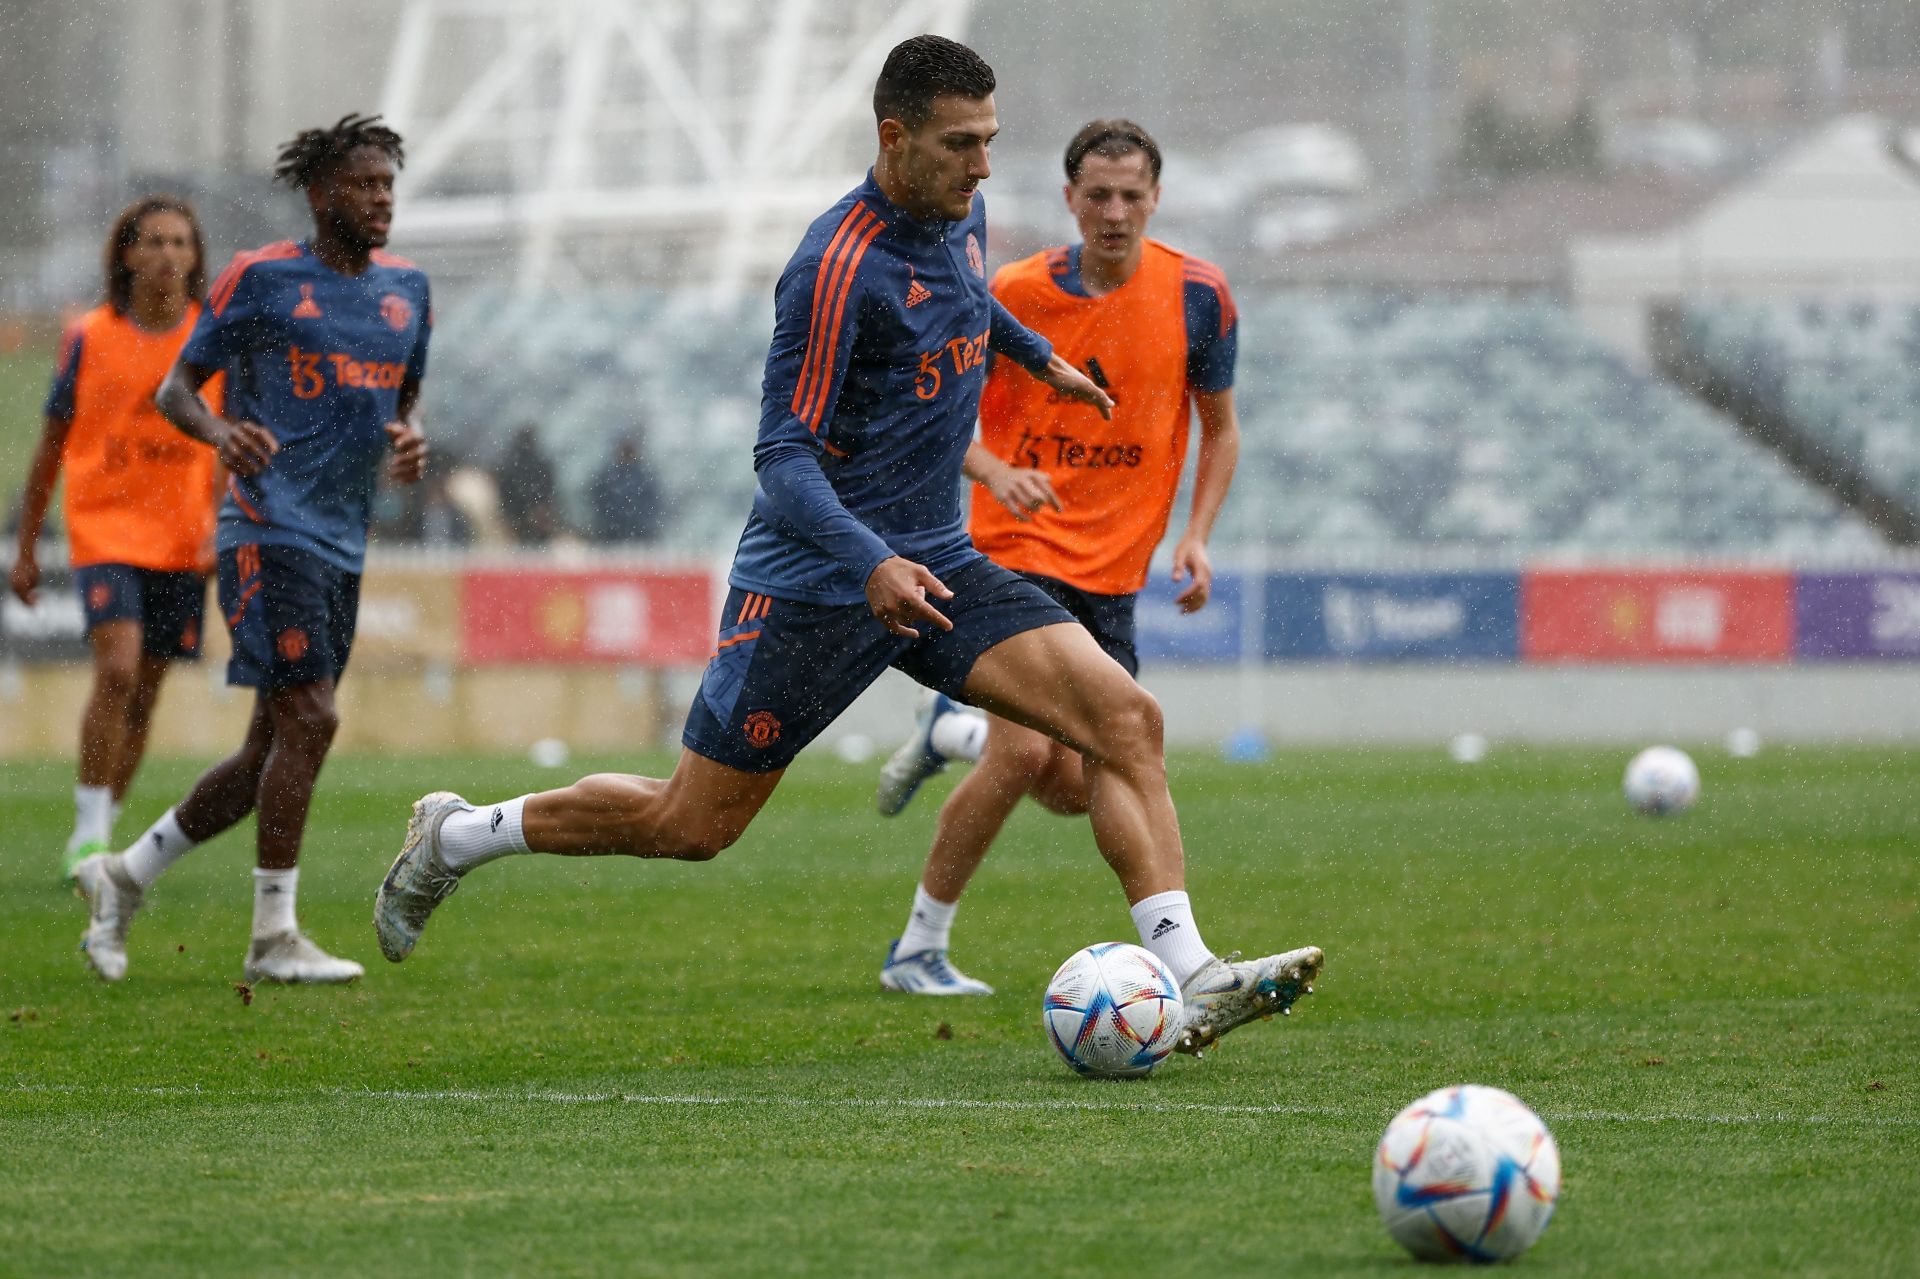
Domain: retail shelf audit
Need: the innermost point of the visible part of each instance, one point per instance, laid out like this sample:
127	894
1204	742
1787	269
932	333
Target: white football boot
1225	993
916	760
419	878
112	900
293	958
927	972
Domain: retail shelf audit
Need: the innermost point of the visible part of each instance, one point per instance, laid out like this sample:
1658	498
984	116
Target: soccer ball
1113	1011
1662	781
1467	1173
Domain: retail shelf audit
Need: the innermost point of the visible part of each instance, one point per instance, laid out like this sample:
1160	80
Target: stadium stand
1839	381
1373	422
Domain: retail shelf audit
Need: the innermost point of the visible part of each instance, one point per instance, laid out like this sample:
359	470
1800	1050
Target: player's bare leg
133	745
1058	680
691	816
103	734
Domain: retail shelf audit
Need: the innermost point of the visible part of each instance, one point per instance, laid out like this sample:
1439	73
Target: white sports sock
163	845
1165	921
273	892
960	735
92	815
113	817
929	926
488	832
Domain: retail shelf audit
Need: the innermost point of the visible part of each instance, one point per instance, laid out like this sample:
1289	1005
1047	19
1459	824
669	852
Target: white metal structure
573	141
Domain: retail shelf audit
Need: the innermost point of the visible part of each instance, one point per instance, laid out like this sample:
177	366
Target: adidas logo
307	308
917	293
499	815
1162	928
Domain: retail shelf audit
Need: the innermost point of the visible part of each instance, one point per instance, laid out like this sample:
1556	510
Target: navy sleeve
1016	341
417	359
815	323
1213	331
66	377
227	323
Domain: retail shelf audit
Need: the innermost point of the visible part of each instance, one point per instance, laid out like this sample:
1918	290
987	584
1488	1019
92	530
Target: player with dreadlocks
324	343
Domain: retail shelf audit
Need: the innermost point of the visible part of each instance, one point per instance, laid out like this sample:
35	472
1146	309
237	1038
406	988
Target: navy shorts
1109	618
784	670
169	606
291	614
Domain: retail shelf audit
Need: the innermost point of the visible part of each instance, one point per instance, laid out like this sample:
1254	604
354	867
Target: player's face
161	255
944	161
1112	200
355	201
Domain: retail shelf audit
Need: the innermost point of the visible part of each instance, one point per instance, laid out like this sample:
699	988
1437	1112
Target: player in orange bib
139	498
1077	504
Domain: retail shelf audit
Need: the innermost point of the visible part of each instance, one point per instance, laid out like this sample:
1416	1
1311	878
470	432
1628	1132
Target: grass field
662	1069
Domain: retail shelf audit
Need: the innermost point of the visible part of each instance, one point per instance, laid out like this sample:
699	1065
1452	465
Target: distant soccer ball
1467	1173
1113	1011
1662	781
549	752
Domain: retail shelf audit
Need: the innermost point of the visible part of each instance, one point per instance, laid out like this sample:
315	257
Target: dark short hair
126	230
922	69
1112	139
315	153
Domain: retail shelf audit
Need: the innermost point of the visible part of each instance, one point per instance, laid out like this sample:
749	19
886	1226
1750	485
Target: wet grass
639	1069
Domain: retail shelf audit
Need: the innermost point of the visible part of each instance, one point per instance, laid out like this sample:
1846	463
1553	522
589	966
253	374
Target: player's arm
1213	345
408	460
41	475
244	448
1212	477
806	364
1007	336
1021	489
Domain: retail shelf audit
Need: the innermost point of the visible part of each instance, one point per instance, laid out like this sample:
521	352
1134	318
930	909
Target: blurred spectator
442	522
625	496
527	500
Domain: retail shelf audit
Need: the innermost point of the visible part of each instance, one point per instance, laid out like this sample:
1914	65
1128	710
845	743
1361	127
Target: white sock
1165	921
960	735
92	815
488	832
273	892
928	927
163	845
113	818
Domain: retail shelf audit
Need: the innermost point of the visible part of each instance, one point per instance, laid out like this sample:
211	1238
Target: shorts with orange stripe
292	615
782	670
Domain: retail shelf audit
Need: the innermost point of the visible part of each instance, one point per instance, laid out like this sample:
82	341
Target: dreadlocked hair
314	153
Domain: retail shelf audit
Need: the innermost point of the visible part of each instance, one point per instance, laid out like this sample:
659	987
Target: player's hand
25	578
1075	385
1021	489
1191	565
246	448
897	593
409	460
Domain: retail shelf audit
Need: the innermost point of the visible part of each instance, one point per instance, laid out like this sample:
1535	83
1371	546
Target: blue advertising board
1164	634
1393	616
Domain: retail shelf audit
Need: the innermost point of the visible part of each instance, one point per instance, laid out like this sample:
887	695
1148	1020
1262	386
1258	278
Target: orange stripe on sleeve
815	409
849	227
223	288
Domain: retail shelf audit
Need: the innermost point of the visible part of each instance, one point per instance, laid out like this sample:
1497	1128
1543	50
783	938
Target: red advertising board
644	617
1605	615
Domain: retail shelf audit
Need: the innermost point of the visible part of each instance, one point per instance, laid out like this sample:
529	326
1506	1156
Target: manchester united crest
762	729
975	258
396	311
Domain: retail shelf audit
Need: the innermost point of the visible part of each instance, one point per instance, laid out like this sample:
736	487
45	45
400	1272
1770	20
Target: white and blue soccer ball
1467	1173
1662	781
1113	1011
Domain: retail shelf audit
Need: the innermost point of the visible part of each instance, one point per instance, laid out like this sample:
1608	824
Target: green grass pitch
617	1068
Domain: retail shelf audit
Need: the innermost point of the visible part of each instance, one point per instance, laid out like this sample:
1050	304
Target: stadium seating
1846	374
1372	423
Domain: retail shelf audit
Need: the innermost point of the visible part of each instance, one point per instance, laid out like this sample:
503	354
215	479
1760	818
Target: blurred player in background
1073	505
325	342
139	499
856	559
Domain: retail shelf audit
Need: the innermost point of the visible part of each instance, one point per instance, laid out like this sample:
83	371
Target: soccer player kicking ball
139	500
855	558
1076	507
325	344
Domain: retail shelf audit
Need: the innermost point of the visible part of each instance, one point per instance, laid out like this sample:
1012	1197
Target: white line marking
536	1097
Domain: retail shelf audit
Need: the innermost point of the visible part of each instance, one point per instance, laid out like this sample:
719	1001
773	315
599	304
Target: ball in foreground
1113	1011
1467	1173
1662	781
